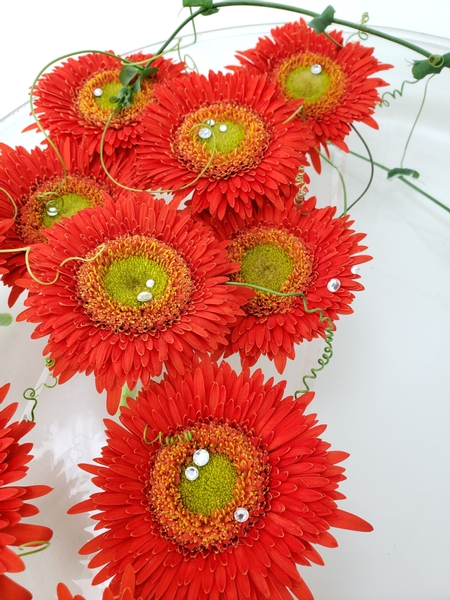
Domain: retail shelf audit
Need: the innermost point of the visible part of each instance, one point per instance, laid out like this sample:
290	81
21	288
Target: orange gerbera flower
228	135
13	506
308	251
74	99
42	195
333	81
214	486
148	290
126	591
5	224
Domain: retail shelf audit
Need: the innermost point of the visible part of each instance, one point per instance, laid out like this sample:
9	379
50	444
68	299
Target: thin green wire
401	178
372	170
44	546
422	104
327	351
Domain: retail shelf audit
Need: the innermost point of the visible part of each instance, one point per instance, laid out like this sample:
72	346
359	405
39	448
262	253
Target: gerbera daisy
308	251
148	291
5	224
227	134
214	487
126	591
333	80
75	99
42	194
13	506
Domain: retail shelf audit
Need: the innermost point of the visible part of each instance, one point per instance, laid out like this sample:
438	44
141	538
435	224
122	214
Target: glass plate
384	394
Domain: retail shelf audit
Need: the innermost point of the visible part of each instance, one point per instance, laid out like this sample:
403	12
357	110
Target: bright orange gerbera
334	82
225	139
5	224
148	290
126	591
74	99
214	486
308	251
42	195
13	506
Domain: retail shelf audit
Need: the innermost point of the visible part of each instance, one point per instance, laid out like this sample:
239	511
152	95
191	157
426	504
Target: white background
385	394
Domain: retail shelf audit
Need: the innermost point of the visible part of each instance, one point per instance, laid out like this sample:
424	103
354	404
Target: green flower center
127	278
301	83
109	89
225	141
221	140
267	266
66	205
213	489
96	107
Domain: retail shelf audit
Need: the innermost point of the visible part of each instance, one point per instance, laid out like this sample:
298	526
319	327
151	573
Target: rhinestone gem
333	285
355	269
211	122
144	297
205	133
150	283
241	515
191	473
98	92
52	211
201	457
223	127
316	69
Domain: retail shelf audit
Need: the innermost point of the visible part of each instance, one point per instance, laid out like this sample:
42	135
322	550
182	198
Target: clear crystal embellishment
201	457
191	473
144	297
333	285
241	515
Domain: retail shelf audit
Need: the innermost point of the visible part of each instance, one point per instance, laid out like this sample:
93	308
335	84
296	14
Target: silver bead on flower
144	297
316	69
150	283
241	514
98	92
210	122
223	127
52	211
191	473
204	133
201	457
355	269
333	285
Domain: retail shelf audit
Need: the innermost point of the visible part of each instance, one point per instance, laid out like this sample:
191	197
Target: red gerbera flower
334	82
74	99
13	506
42	194
126	591
150	292
228	134
5	224
215	487
308	251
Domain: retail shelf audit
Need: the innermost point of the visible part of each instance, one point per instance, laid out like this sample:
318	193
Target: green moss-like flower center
109	89
213	489
66	205
267	266
127	278
96	109
238	140
55	198
225	141
301	83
